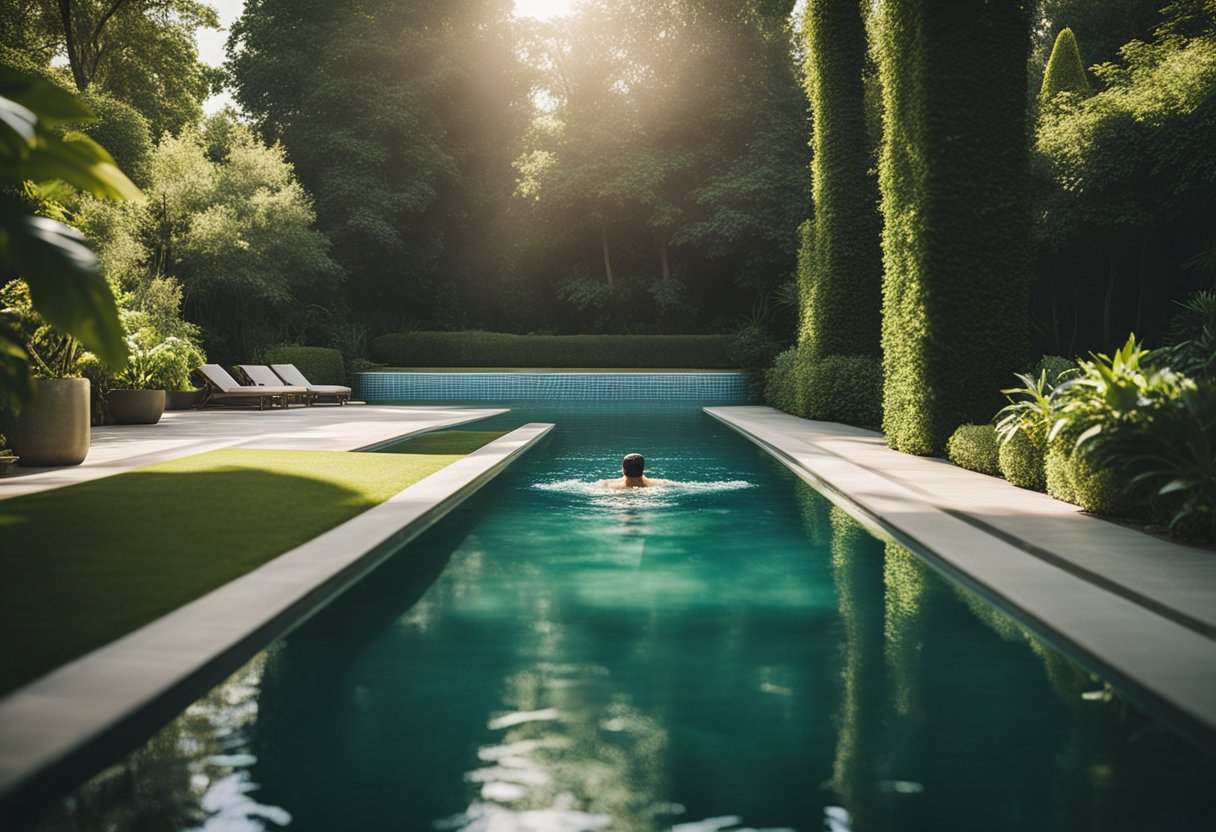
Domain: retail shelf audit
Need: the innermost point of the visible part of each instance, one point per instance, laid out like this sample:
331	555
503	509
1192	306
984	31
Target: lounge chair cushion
291	375
219	377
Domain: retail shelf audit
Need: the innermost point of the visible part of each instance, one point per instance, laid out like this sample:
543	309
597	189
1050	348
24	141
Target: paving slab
117	448
1139	609
57	730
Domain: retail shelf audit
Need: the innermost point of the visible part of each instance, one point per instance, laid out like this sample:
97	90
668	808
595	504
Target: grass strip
83	565
444	442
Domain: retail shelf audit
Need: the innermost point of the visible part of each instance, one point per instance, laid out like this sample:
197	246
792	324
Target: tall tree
953	176
141	52
667	160
389	112
843	307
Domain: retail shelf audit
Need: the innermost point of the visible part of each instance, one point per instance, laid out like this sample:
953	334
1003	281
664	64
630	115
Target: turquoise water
731	653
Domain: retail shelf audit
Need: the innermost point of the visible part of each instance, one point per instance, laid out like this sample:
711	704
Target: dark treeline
639	166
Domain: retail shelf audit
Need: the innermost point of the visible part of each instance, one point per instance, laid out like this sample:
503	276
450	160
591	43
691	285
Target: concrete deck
61	728
1139	610
119	448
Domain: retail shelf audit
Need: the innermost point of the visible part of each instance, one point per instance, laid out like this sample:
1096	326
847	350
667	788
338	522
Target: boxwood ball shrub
320	365
500	349
845	388
975	447
953	173
1072	476
1022	462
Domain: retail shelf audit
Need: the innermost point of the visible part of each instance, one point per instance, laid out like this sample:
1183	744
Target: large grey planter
136	407
53	429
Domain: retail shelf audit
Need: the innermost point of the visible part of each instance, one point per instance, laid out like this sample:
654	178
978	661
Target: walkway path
119	448
1140	609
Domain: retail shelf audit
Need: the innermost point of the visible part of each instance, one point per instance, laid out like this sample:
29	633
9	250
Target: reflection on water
731	654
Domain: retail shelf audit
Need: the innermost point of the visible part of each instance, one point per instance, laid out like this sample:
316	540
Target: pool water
730	653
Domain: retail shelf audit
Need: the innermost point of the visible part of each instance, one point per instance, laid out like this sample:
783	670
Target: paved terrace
119	448
59	729
1139	609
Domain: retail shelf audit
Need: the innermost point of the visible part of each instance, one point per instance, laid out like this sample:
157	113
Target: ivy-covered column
955	205
843	291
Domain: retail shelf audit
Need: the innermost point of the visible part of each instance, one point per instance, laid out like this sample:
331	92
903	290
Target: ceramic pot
53	428
136	407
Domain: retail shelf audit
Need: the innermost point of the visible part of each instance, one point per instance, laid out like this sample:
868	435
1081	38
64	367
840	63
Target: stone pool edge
1167	668
80	717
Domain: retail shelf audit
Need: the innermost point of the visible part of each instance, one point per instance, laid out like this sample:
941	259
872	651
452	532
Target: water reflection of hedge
856	559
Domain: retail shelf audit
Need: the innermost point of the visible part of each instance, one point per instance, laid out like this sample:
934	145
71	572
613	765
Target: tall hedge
842	304
1065	71
953	176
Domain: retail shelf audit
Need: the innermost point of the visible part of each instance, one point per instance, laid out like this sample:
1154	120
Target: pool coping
60	728
1033	556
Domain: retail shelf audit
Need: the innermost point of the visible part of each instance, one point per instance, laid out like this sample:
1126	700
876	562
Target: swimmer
631	469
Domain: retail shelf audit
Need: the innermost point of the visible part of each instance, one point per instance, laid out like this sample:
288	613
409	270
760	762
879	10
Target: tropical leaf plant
1173	455
66	287
1029	410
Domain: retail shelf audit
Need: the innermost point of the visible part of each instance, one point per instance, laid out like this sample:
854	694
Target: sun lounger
291	375
262	376
220	385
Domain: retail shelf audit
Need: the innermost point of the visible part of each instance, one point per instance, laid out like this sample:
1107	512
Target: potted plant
156	365
52	428
8	459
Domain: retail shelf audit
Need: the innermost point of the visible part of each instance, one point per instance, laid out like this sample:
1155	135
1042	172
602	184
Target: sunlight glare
542	9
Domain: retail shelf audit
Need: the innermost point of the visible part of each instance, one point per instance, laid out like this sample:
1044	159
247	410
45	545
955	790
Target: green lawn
82	565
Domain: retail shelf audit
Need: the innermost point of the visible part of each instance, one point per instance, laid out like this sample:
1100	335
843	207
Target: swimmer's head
633	465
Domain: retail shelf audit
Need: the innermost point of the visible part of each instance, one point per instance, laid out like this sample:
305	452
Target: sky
211	41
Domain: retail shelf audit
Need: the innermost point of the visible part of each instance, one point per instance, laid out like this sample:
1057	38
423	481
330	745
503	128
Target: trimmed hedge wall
499	349
840	388
956	233
320	365
845	388
843	306
975	447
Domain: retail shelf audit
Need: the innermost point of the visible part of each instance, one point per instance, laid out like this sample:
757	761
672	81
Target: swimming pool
731	653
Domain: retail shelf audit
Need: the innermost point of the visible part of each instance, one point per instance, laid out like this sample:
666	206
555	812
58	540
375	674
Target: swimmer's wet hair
633	465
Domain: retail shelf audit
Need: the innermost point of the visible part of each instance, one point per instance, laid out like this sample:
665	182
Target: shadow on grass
84	565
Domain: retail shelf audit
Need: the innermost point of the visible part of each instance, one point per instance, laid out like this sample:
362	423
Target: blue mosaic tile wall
708	387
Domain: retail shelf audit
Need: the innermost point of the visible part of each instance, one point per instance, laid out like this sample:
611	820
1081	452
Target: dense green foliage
839	388
635	167
496	349
402	120
139	52
40	256
1104	26
320	365
975	448
782	389
1127	188
1065	72
844	388
843	285
956	214
227	217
